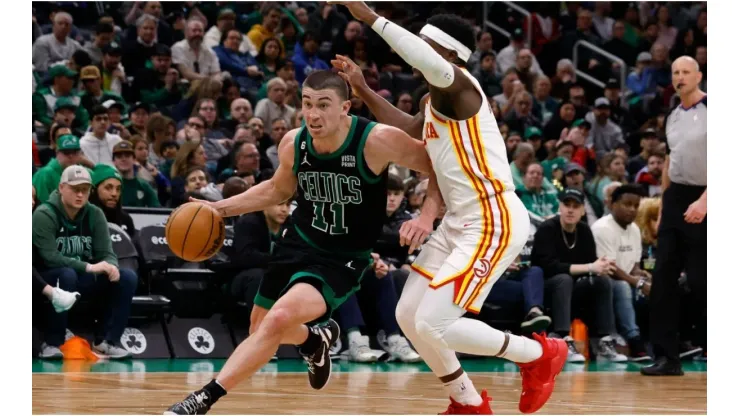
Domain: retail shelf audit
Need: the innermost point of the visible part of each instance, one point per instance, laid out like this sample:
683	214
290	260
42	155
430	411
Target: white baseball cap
76	175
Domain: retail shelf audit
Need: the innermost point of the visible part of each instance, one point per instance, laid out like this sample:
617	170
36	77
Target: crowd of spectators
165	101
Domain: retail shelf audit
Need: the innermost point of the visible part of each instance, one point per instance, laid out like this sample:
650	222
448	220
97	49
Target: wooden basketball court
282	388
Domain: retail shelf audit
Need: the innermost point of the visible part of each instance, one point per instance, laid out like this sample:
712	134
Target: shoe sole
537	325
690	353
641	359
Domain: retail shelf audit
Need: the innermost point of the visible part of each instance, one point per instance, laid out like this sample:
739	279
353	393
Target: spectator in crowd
271	15
619	46
71	246
617	113
192	58
106	195
343	42
225	22
562	119
305	57
647	222
65	113
68	153
135	192
565	75
512	139
56	46
485	73
269	57
98	144
483	43
583	31
618	239
104	33
164	32
255	235
642	81
533	136
191	155
602	23
158	85
524	68
136	52
611	169
649	143
139	117
207	109
111	69
533	196
507	57
523	157
544	106
146	170
650	177
62	88
247	165
92	93
575	278
272	107
666	32
279	128
605	135
510	85
575	178
198	185
520	117
241	66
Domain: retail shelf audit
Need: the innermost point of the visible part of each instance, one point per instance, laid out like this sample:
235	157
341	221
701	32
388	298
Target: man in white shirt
192	58
97	144
56	46
618	238
226	21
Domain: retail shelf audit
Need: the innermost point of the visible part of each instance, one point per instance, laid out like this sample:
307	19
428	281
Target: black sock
215	391
311	344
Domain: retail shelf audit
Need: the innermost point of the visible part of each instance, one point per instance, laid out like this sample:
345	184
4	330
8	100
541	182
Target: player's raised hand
414	232
359	10
349	71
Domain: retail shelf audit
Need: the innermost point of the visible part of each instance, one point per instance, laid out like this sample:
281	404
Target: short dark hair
98	110
103	28
395	183
627	189
656	153
327	79
269	7
309	35
81	58
455	26
480	34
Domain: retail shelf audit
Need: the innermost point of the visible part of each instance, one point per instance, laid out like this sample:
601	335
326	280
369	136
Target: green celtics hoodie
59	241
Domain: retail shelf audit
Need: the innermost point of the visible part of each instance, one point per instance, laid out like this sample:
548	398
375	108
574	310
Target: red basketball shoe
456	408
538	377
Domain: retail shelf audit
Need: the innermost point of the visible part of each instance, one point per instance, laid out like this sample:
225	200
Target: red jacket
538	37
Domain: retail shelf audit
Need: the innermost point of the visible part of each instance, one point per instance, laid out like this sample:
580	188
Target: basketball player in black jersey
339	164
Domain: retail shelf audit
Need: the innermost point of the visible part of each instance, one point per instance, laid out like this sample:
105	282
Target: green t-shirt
137	193
540	203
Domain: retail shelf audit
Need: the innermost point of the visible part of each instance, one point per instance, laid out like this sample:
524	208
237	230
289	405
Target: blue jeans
527	286
384	296
624	309
90	286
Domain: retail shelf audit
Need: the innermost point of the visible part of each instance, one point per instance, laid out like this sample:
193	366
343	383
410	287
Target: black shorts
293	261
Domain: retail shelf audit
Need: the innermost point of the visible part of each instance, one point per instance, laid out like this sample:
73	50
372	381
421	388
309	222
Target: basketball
195	232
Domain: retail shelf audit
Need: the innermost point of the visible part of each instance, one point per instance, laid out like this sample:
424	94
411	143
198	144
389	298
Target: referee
682	233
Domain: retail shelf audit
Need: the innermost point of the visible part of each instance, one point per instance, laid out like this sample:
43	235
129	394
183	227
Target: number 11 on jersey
319	222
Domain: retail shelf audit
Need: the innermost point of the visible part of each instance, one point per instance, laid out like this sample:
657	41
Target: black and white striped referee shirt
686	131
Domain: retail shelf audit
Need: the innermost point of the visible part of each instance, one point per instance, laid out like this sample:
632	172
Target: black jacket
252	242
550	252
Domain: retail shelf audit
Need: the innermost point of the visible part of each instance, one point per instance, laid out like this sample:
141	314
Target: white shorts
472	253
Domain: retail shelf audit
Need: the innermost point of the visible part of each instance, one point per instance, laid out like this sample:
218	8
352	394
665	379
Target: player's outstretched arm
383	110
268	193
415	51
387	144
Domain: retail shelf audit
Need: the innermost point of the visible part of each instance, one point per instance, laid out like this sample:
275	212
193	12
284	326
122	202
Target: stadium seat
124	248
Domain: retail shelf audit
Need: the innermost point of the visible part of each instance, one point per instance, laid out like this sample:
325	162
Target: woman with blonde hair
647	221
190	156
201	89
612	168
157	132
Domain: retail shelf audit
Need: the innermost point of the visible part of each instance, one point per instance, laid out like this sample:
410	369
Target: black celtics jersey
341	202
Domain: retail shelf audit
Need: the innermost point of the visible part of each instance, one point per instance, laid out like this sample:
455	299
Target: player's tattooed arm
387	144
279	188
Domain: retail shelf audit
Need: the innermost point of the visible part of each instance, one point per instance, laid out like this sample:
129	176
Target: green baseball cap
532	131
103	172
65	102
61	70
68	142
581	122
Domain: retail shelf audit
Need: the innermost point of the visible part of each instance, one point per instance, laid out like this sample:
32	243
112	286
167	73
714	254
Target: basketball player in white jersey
484	229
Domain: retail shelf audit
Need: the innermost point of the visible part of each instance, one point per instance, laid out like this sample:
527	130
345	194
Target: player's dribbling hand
414	232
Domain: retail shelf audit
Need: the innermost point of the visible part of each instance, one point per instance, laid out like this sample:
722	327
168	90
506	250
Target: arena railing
521	10
607	55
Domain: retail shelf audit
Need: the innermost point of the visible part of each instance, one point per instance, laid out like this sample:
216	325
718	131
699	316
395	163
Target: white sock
475	337
463	391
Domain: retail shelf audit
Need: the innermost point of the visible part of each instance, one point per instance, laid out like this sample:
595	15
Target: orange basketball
195	232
